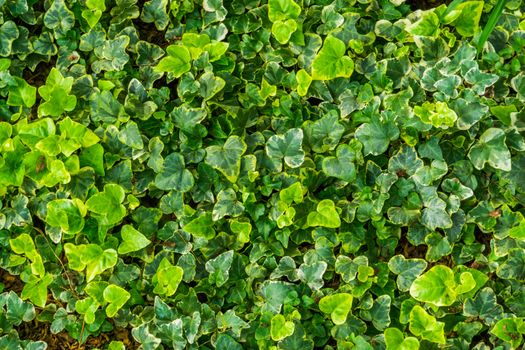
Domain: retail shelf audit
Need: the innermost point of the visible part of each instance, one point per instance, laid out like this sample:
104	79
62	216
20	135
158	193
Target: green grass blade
491	24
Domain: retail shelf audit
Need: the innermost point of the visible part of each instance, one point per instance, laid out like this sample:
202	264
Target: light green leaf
283	30
66	214
227	158
281	10
288	147
174	175
331	61
90	257
132	240
167	278
219	268
227	205
22	94
509	330
395	340
177	62
108	204
59	17
376	135
303	82
116	297
280	328
325	215
437	114
407	270
201	226
337	305
425	326
491	149
437	286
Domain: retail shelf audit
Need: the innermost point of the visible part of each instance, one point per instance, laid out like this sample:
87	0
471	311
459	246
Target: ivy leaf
90	257
288	147
132	240
281	10
167	278
303	82
227	158
66	214
56	95
219	268
337	305
425	326
111	55
436	286
484	306
491	149
22	94
8	34
437	114
325	215
376	135
201	226
512	268
174	175
407	270
177	62
509	330
395	340
280	328
59	17
331	62
342	165
116	297
154	11
283	30
108	204
17	310
227	204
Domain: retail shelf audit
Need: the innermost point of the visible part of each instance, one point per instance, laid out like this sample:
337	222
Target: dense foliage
250	174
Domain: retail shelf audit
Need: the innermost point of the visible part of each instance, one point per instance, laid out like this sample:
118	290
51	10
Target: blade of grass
491	24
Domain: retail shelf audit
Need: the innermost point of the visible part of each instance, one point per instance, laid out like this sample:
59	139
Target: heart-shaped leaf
437	286
491	149
325	215
227	158
331	62
280	328
407	270
288	147
116	297
132	240
174	175
425	326
337	305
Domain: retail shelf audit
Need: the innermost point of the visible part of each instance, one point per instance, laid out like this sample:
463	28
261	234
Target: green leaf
407	270
342	165
509	330
283	30
437	114
425	326
59	17
395	340
280	328
376	135
491	149
219	268
227	205
427	25
22	244
201	226
337	305
56	95
22	94
331	62
167	278
116	297
107	205
17	310
484	305
177	62
154	11
174	175
8	34
512	268
111	54
66	214
281	10
227	158
90	257
303	82
132	240
437	286
325	215
35	289
287	147
466	17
